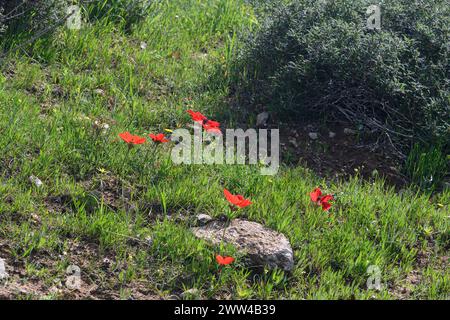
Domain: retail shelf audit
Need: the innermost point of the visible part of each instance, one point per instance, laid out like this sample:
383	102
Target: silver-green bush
316	59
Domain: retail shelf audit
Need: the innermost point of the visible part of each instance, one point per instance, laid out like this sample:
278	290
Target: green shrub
31	16
317	60
2	20
25	20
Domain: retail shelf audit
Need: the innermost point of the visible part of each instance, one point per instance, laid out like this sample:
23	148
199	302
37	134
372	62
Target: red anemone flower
131	139
223	261
325	205
197	116
315	194
237	200
159	138
324	201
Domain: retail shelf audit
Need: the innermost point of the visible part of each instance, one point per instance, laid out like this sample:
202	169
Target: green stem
123	169
227	224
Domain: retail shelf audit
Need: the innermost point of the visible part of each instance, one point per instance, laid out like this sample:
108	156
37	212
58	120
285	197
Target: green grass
49	100
426	168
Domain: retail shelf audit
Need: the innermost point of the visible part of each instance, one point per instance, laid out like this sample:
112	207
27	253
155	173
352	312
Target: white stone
36	181
203	219
349	131
261	246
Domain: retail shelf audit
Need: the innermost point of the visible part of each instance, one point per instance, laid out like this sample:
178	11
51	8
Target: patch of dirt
339	153
58	203
404	289
99	276
107	188
110	190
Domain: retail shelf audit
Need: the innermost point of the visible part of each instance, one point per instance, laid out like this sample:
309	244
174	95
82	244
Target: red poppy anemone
223	261
159	138
197	116
324	201
131	139
237	200
315	195
325	206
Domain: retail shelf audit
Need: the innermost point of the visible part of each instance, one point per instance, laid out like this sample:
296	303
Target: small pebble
349	131
149	241
100	92
203	219
313	135
36	181
293	142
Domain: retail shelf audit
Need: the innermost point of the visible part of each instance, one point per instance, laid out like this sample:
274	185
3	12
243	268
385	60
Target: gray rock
100	92
331	134
293	142
261	246
149	241
36	181
349	131
261	119
203	219
313	135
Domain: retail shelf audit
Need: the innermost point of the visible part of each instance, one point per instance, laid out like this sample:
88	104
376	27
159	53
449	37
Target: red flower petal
315	194
197	116
160	138
326	198
126	136
244	203
326	206
223	261
237	200
131	139
231	198
138	140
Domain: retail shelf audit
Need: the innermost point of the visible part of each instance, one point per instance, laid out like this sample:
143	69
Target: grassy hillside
123	216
